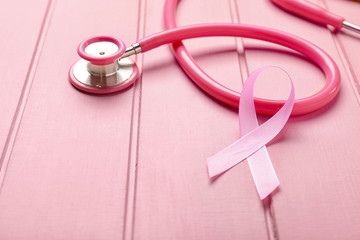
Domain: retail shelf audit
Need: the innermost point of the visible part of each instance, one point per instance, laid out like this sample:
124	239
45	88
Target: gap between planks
354	82
269	212
130	204
30	75
131	184
129	217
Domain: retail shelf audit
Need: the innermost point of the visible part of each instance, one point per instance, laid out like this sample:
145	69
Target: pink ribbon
253	139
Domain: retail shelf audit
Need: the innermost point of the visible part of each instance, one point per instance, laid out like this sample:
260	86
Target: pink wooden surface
20	40
132	165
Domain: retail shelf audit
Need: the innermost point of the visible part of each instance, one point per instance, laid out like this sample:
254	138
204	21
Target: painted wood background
132	165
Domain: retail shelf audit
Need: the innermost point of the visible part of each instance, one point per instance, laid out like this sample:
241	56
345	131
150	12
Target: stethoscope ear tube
229	96
311	11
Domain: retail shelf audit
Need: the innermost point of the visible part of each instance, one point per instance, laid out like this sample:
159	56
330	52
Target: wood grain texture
175	199
348	41
316	156
133	165
67	175
21	32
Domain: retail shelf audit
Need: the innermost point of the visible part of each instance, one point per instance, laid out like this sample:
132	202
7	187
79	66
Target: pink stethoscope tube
311	11
263	106
101	74
315	13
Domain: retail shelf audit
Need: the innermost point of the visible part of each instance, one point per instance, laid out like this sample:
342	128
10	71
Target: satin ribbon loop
253	139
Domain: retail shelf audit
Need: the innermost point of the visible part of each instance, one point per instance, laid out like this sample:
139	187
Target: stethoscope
105	66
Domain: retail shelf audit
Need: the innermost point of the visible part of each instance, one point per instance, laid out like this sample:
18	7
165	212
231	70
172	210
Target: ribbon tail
263	173
236	152
261	168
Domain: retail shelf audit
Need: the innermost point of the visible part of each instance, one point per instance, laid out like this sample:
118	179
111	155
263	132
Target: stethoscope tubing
175	34
101	73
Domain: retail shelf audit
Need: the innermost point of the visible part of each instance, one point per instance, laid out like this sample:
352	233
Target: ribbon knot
252	144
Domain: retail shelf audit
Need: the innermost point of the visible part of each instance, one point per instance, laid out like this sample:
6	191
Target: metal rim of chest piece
101	69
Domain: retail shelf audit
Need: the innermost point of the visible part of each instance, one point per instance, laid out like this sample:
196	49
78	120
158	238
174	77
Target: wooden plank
21	31
348	41
180	126
67	175
316	157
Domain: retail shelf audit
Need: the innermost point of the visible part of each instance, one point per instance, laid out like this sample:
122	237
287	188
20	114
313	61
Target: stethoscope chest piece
101	69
